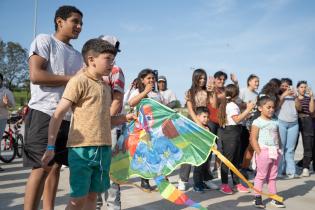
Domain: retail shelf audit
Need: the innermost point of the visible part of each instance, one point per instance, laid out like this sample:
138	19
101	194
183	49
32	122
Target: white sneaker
211	185
305	172
182	186
277	204
291	176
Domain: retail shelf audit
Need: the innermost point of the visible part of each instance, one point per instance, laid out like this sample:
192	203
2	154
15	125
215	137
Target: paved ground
298	193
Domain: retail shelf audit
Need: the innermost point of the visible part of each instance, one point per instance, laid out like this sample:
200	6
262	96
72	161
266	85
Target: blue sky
271	38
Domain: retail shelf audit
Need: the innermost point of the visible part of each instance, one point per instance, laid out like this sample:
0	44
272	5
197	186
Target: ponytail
222	113
231	91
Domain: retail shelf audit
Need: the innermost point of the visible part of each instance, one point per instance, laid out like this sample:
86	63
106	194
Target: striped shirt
116	79
305	105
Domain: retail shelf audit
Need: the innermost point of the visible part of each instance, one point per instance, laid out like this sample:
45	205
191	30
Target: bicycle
11	144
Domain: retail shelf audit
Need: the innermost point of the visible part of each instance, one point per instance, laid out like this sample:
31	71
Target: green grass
21	98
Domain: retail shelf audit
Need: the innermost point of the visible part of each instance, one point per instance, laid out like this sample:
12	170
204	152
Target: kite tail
240	175
171	193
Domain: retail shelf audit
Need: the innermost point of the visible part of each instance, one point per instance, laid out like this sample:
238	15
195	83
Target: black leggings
201	173
306	128
230	137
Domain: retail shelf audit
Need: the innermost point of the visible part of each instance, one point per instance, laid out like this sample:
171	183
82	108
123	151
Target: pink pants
267	170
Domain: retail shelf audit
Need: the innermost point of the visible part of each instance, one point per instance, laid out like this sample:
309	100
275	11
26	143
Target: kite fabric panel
158	142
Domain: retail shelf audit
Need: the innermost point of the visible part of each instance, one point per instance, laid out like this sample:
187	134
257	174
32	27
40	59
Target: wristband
50	147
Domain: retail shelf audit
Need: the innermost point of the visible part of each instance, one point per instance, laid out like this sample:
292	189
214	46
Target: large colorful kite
155	144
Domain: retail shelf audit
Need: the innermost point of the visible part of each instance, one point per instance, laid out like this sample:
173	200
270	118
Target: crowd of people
252	127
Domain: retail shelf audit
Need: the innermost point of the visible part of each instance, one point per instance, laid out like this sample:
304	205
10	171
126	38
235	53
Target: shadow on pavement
299	190
163	204
7	201
233	203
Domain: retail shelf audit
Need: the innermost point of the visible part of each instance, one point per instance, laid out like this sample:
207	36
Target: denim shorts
89	169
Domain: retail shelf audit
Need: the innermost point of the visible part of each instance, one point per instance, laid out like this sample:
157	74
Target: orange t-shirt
213	114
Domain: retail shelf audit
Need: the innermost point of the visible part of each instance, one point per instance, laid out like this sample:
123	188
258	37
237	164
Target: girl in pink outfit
265	141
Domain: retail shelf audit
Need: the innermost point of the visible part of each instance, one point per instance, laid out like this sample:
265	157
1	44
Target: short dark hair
219	74
286	80
263	100
301	83
250	77
64	12
95	47
202	109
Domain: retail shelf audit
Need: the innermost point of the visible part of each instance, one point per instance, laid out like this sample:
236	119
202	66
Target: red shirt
213	114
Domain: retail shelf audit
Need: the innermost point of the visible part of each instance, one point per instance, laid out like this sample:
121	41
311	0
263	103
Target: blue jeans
289	134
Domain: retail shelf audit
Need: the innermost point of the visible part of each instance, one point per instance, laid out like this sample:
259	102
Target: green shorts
89	169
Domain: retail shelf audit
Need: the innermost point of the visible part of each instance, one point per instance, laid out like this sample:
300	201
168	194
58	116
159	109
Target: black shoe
277	204
258	202
199	189
205	187
1	169
145	185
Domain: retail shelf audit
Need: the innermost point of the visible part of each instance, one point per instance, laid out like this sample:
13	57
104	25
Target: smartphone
156	76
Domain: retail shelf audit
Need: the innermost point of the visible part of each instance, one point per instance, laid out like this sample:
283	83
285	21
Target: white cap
112	40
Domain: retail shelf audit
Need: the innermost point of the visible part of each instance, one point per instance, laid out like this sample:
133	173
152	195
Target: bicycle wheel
19	140
7	150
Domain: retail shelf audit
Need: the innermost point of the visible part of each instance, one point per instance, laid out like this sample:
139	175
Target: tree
13	64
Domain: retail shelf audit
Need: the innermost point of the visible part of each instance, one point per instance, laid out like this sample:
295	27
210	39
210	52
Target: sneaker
211	185
241	188
291	176
258	202
277	204
145	185
280	176
305	172
226	189
199	189
205	187
182	186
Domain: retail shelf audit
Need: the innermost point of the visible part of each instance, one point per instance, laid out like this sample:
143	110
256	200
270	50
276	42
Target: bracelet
50	147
